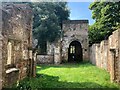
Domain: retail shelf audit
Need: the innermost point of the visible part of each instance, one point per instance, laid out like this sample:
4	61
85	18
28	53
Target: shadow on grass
53	82
46	81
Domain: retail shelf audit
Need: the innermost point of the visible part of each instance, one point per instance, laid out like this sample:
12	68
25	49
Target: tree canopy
47	20
107	19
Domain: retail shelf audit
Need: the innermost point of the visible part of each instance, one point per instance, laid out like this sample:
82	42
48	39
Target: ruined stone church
72	47
17	59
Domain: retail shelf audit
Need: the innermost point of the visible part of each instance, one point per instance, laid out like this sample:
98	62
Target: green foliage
106	15
83	75
24	85
47	21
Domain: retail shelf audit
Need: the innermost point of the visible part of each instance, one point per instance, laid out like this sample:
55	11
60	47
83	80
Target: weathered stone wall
106	55
50	48
99	55
75	30
53	54
57	53
17	41
93	53
113	59
45	59
119	54
1	37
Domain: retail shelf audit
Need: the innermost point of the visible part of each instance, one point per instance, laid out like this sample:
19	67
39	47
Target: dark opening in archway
75	52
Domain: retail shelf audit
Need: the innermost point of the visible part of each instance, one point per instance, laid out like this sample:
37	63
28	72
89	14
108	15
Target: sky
80	11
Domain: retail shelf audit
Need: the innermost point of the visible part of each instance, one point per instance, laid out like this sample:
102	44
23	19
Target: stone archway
75	52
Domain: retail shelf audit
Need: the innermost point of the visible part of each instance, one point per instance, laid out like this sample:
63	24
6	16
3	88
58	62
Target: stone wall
16	42
113	56
99	55
58	52
1	37
53	54
119	53
75	30
45	59
72	30
106	55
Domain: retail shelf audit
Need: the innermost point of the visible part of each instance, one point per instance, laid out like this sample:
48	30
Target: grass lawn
82	75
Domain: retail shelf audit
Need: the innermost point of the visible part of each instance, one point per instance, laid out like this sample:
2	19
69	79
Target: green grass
82	75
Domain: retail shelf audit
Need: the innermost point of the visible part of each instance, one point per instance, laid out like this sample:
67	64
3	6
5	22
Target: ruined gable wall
75	30
72	30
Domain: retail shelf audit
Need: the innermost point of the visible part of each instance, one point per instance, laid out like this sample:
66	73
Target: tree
106	15
47	21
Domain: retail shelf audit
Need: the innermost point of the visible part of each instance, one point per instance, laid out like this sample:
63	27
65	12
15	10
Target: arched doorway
75	52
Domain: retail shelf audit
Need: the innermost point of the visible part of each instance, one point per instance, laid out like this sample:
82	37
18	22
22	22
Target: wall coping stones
11	70
75	21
